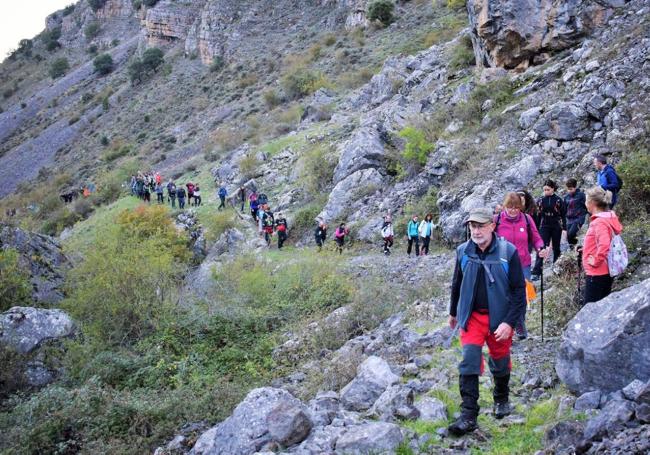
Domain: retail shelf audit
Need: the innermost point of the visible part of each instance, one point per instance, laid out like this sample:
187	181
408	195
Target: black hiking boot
463	425
501	410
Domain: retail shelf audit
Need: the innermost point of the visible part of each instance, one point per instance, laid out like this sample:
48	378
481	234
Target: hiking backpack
503	259
617	257
262	199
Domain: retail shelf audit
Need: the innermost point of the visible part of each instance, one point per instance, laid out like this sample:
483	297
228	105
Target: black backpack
531	244
262	199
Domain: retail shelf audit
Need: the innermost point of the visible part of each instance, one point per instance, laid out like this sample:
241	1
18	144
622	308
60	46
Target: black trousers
549	233
597	287
425	245
282	236
388	243
572	229
415	239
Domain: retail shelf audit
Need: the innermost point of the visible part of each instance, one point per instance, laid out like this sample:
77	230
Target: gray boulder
529	117
431	409
365	149
319	108
615	332
610	420
376	437
24	329
395	402
347	191
373	377
564	121
589	400
266	416
42	256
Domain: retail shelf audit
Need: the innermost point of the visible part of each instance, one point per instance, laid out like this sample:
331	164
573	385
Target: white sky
24	19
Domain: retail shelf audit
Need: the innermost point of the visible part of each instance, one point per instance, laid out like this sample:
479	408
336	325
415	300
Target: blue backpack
503	260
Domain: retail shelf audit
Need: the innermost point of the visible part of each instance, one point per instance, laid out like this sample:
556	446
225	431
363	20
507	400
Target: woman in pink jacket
603	224
519	229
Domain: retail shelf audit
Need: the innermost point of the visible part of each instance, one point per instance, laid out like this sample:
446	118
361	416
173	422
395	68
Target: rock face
24	329
564	121
265	417
607	344
168	22
373	377
42	256
377	437
516	33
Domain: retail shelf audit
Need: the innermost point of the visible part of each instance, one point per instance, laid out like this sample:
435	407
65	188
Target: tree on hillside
50	38
96	4
142	68
382	11
59	67
103	64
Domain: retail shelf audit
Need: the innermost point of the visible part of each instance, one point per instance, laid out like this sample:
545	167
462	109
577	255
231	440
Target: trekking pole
542	299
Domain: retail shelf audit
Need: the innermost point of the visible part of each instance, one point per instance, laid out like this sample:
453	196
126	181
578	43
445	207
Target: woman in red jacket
603	224
519	229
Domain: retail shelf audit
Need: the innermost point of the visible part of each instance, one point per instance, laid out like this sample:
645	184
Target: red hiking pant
477	334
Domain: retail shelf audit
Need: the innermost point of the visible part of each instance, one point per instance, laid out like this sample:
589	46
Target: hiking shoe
501	410
522	332
463	425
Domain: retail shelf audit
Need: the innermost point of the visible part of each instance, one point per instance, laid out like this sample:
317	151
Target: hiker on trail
529	206
147	194
197	196
158	178
133	185
241	193
222	193
413	235
339	236
488	295
190	192
268	224
320	234
576	211
425	230
180	194
171	193
607	177
603	225
519	229
254	208
159	193
552	216
139	185
387	234
281	227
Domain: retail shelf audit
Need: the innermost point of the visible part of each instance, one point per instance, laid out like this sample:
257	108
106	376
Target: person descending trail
268	224
576	211
519	229
197	196
222	193
320	234
552	215
157	178
387	234
529	206
190	192
607	177
339	236
488	295
139	186
424	231
281	228
254	208
241	193
413	235
171	193
159	194
603	225
147	194
180	194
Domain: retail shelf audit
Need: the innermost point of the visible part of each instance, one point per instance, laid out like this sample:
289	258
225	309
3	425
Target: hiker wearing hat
281	228
488	296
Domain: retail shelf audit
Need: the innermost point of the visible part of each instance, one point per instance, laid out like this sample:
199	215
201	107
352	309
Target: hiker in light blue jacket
425	230
413	235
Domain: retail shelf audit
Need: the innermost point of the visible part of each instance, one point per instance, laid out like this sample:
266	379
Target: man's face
597	164
570	190
481	233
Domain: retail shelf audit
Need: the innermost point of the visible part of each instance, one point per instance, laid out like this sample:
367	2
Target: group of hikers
489	287
143	185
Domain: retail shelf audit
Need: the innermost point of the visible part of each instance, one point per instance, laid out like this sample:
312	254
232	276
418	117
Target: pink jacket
597	241
515	231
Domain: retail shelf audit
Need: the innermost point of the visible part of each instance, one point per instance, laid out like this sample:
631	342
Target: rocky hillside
133	329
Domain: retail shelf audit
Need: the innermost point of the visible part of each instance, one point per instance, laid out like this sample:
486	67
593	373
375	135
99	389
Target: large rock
43	257
607	345
610	420
395	402
376	437
365	149
24	329
564	121
373	377
266	416
512	33
347	191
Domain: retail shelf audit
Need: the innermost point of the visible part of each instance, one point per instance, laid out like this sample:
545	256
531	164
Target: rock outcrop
607	344
43	257
517	33
24	329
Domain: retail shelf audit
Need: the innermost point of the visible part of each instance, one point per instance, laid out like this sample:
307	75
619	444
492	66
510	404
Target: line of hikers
498	252
320	235
144	185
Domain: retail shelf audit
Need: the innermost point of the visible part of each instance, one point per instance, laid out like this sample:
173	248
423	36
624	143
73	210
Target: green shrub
300	81
500	91
92	49
50	38
305	218
103	64
456	4
68	10
15	289
271	98
417	149
318	169
59	67
96	4
248	166
634	198
462	54
217	64
91	30
218	223
58	220
382	11
149	3
104	140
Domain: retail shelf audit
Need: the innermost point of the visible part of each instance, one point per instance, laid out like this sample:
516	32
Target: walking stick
542	299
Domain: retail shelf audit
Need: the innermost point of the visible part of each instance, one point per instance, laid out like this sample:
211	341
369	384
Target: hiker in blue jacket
607	177
222	196
413	235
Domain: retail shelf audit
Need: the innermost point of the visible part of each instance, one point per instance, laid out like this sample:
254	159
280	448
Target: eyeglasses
476	225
